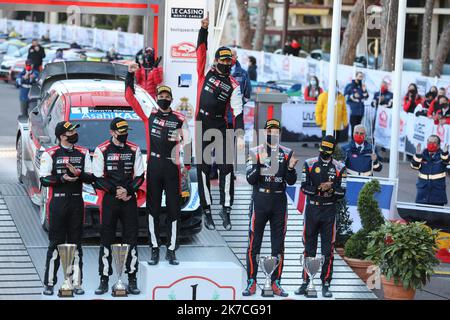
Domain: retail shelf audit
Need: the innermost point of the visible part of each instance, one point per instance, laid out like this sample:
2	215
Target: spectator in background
443	114
383	97
75	45
58	56
252	74
112	54
434	105
412	99
432	165
149	75
36	54
340	115
313	90
292	48
356	93
24	81
430	96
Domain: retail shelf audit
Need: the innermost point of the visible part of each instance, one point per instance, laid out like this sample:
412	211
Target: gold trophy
119	254
66	254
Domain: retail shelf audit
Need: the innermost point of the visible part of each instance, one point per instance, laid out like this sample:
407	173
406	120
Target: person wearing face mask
148	74
443	114
432	166
24	81
412	99
360	157
217	91
59	56
340	115
64	168
313	90
270	167
434	105
356	93
383	97
167	132
119	169
324	181
36	53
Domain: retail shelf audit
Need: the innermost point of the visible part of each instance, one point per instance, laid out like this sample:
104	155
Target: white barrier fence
125	42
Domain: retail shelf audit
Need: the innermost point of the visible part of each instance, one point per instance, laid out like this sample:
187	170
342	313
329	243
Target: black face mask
272	140
164	104
324	155
413	91
122	138
72	139
224	68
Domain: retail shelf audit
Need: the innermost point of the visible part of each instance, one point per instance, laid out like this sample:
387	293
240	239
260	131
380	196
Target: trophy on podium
119	254
268	265
311	265
66	254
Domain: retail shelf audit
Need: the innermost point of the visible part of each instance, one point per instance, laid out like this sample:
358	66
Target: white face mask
313	82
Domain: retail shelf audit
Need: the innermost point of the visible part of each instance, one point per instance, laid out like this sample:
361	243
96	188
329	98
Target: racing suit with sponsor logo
216	93
269	203
166	132
116	166
64	207
320	215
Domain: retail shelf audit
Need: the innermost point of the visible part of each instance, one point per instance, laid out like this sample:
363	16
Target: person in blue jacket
356	93
24	81
432	164
360	157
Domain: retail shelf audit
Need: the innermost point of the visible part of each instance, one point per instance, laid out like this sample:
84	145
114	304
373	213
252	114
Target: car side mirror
44	140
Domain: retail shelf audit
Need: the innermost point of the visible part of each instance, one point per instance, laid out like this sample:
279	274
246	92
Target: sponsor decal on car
86	113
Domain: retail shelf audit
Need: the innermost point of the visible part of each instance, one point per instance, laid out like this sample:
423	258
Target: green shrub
356	245
371	220
343	223
405	252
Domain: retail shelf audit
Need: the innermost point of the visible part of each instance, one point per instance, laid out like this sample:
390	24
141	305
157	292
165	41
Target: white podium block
192	281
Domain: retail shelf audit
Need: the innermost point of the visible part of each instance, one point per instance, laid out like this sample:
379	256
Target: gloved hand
157	61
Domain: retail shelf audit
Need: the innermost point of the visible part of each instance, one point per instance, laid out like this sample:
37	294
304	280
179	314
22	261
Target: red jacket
307	97
432	109
446	116
153	79
407	103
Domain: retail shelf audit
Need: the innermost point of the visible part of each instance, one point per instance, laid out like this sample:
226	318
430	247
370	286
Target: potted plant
371	220
405	254
343	226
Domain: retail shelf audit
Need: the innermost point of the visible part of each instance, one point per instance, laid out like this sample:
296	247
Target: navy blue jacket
360	163
25	84
431	182
356	104
387	102
244	82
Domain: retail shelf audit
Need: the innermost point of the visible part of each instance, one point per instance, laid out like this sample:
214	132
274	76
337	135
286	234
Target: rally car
87	93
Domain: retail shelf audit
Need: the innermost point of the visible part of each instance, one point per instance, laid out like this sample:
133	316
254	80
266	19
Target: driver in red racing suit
217	91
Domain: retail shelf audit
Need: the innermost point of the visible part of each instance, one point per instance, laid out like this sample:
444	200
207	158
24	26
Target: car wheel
43	212
19	159
5	81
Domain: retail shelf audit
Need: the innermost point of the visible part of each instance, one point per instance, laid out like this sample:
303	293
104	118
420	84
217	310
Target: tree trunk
388	33
245	33
353	32
442	52
426	37
261	25
134	24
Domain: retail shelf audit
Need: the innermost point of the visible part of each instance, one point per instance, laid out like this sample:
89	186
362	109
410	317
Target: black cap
119	124
328	144
272	123
223	53
63	127
167	89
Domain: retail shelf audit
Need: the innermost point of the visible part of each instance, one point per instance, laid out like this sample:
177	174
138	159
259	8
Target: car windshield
12	49
94	126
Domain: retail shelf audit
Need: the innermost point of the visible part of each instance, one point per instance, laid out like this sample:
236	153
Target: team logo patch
327	144
121	124
317	170
225	52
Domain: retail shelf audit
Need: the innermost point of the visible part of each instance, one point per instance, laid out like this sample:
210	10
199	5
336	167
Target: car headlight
88	188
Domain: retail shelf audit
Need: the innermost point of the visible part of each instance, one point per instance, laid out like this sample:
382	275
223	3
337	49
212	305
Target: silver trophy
119	254
312	265
66	254
268	265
